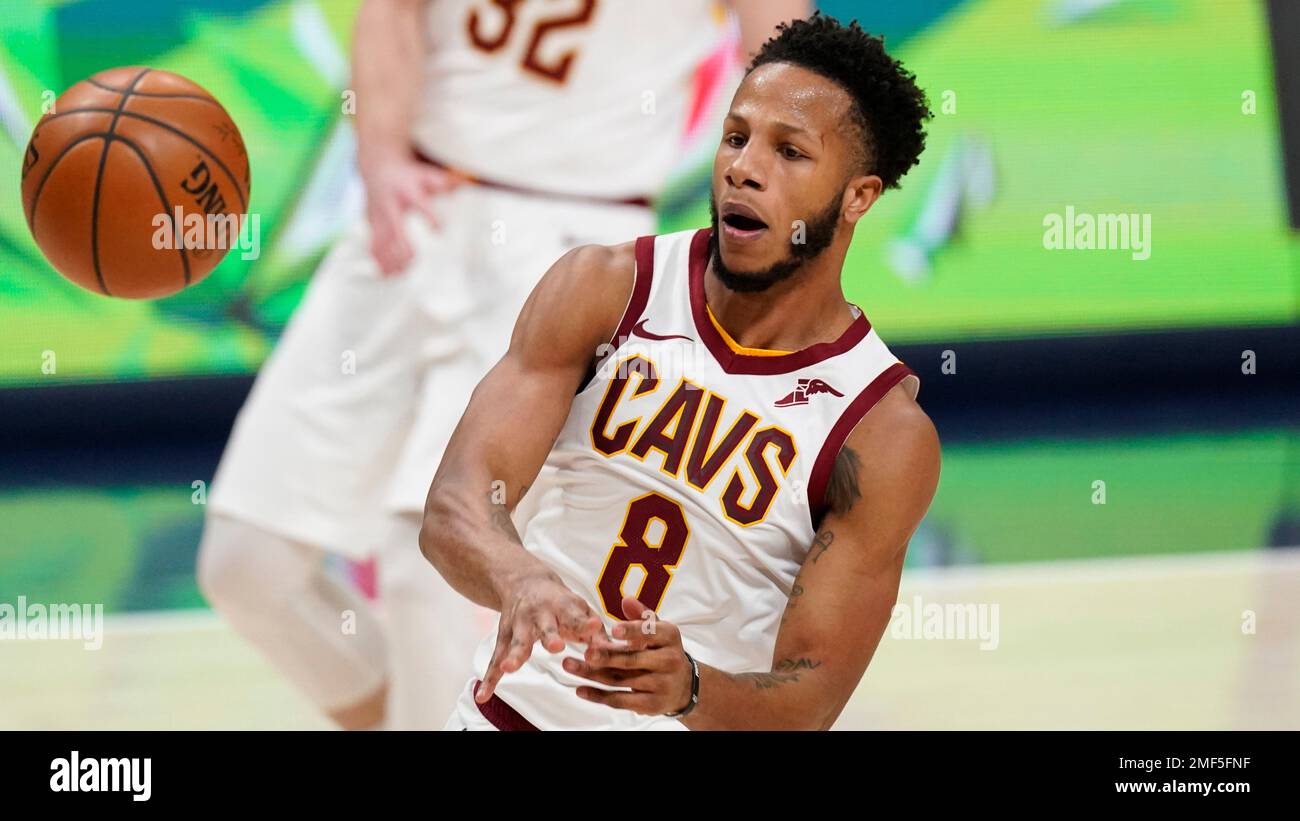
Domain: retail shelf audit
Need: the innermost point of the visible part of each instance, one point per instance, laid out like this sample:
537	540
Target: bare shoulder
578	303
591	283
598	267
900	437
610	264
899	422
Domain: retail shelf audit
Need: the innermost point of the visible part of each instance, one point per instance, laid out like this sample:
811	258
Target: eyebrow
788	128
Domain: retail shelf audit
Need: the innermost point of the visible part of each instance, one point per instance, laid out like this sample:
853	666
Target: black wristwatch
695	689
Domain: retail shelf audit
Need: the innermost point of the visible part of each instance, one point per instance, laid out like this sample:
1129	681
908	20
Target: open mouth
741	222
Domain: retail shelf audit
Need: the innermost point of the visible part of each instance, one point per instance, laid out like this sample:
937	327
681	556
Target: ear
861	193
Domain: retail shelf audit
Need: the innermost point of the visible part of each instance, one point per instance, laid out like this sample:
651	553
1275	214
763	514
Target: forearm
470	540
387	56
796	694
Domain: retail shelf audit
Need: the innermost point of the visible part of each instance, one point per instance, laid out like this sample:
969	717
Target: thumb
633	609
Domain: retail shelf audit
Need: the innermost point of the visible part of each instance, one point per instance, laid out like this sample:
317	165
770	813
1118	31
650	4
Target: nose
743	171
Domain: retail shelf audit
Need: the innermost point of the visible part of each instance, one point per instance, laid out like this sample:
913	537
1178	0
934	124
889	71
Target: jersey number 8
634	548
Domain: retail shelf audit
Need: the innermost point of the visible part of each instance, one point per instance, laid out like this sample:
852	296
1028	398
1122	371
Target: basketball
135	184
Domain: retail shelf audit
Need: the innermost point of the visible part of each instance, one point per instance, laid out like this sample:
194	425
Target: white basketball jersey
689	475
579	97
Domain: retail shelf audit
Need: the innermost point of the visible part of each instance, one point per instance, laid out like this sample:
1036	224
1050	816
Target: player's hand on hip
650	660
538	609
393	188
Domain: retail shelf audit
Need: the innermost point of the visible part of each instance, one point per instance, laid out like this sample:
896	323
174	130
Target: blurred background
1121	449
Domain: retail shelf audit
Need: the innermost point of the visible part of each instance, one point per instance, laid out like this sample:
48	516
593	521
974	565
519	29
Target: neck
803	310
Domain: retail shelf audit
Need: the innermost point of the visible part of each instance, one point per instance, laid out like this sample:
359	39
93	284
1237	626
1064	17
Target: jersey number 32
492	24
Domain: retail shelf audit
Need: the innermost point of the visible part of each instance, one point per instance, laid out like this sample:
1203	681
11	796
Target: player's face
780	174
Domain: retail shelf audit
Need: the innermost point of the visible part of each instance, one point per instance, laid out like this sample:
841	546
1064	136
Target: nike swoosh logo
639	330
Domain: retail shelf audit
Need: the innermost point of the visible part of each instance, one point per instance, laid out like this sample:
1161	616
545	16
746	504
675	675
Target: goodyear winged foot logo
805	389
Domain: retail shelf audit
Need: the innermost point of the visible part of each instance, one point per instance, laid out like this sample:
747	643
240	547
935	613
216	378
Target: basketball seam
161	124
40	186
56	116
243	199
107	87
99	179
162	196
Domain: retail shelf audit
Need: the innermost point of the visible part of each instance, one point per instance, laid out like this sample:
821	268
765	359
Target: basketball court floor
1209	641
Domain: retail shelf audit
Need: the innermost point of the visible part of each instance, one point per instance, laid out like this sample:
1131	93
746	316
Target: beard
818	234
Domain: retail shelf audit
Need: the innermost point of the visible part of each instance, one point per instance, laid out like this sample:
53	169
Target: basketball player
492	137
726	461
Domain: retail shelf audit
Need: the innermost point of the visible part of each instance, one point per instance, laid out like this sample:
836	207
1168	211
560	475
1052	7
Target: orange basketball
136	183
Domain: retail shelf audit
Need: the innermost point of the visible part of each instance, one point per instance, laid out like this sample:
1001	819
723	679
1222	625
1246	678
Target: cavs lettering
689	439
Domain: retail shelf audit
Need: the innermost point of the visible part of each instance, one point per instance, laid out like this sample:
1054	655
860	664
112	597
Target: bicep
846	589
509	425
518	409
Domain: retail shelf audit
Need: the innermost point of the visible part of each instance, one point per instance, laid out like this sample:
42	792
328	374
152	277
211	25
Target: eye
734	140
790	152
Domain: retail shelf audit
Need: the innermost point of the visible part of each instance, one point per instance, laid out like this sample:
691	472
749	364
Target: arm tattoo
821	544
785	671
788	665
766	681
842	489
795	593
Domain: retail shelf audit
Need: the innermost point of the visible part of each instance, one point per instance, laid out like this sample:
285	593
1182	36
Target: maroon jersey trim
502	715
739	363
645	267
858	408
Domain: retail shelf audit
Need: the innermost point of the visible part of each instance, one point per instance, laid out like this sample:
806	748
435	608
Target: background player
748	462
566	120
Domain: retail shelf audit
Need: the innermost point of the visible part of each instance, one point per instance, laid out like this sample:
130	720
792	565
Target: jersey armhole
642	276
857	409
640	296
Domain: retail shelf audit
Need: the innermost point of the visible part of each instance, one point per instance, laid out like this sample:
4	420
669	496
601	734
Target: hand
652	662
393	187
538	608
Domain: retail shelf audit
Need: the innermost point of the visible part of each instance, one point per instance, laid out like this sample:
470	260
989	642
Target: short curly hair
889	109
